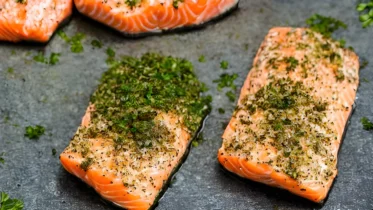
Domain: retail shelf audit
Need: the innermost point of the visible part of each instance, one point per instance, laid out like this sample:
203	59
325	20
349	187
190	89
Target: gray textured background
56	97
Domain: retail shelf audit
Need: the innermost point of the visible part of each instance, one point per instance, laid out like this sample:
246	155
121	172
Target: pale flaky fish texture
154	16
32	20
292	113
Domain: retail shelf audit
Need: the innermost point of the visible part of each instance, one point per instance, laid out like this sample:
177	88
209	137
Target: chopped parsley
231	96
34	132
339	75
364	64
1	158
292	63
96	43
10	70
40	58
202	59
54	151
198	140
63	35
224	65
54	58
175	3
21	2
291	117
365	80
132	3
9	204
324	25
366	13
76	44
75	41
221	111
342	42
111	56
110	52
6	119
135	90
226	80
367	124
86	163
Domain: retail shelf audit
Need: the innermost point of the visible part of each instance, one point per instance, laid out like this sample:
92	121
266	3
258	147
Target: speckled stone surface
56	97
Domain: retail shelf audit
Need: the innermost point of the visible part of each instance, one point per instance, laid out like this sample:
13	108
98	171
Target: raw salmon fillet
32	20
132	138
139	17
291	116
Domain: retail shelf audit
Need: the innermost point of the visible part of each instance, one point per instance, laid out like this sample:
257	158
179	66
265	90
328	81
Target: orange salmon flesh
152	16
292	112
120	177
32	20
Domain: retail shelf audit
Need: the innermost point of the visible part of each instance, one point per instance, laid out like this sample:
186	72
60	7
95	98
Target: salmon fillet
137	17
293	109
32	20
133	138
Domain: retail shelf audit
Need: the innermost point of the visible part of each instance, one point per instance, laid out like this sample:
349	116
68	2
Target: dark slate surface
56	97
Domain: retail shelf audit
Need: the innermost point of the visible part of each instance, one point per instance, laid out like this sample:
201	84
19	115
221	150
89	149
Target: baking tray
57	96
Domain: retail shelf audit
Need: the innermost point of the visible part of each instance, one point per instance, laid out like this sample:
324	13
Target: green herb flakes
221	111
10	70
75	41
202	59
367	124
21	2
110	52
339	75
366	13
9	204
292	63
175	3
226	80
195	143
2	160
86	163
132	93
54	151
224	65
288	110
198	140
63	35
231	96
76	44
54	58
6	119
324	25
132	3
34	132
96	43
342	42
40	58
111	57
364	64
